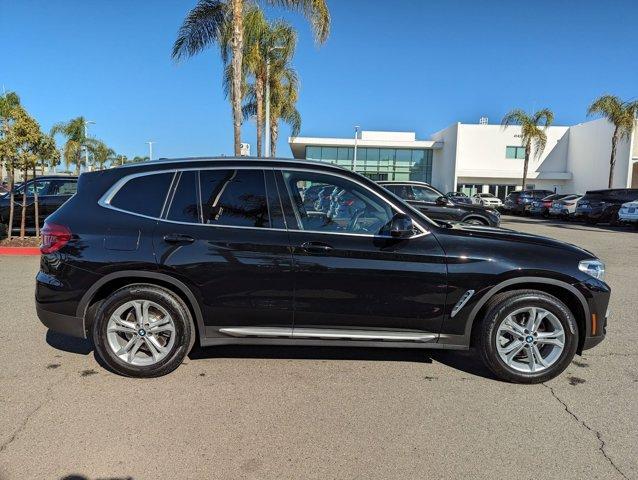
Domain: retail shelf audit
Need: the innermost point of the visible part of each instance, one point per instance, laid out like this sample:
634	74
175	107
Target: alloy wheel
530	339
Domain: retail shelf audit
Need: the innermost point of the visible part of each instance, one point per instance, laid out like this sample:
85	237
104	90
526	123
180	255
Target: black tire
476	221
184	330
498	308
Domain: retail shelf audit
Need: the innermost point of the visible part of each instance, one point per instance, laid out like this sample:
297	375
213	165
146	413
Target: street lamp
86	136
271	49
150	149
354	157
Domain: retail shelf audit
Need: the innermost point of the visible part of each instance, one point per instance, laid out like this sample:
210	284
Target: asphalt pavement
320	413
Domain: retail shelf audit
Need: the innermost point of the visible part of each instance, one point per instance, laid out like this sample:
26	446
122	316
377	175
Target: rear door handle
178	238
316	247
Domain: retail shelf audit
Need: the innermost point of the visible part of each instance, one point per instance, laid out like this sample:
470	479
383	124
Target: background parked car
53	191
565	207
437	206
542	206
488	200
628	213
520	202
602	206
458	197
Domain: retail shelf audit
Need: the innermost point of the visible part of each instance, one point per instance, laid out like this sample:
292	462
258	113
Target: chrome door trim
384	335
257	331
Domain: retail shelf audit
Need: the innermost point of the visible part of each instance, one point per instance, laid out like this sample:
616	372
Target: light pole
271	49
150	149
86	136
354	157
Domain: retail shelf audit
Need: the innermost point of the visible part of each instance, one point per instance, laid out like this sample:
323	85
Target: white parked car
629	213
565	207
487	200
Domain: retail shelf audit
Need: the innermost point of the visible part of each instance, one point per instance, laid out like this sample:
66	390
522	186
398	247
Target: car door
222	233
351	280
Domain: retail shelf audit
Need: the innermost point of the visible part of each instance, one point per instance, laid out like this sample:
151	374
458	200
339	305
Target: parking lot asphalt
319	413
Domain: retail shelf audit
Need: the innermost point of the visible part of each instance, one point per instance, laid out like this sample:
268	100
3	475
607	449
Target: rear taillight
54	237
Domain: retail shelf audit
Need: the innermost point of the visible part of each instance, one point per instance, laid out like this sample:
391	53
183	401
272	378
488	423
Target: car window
185	203
42	187
401	191
234	198
63	187
144	195
425	194
342	205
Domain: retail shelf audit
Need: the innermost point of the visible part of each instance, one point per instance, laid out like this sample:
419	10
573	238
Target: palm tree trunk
36	205
23	221
259	93
236	46
528	151
12	199
612	159
274	135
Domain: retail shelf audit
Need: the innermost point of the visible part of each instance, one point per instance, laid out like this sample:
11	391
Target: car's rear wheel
527	336
476	221
143	331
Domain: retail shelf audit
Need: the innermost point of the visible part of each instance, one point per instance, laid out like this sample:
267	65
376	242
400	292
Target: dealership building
483	158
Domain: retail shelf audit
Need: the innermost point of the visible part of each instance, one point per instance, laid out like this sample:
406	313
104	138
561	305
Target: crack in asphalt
599	436
24	423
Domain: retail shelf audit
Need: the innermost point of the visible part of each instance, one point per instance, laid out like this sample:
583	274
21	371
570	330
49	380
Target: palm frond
316	11
203	26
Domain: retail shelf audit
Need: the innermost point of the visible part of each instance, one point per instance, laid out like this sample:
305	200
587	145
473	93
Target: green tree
532	132
221	22
8	102
76	141
622	115
47	155
101	154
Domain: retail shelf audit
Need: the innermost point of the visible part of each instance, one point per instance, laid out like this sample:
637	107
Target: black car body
459	197
520	201
226	251
437	206
52	190
602	206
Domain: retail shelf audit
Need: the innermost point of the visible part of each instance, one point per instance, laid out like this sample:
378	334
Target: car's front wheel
527	336
143	331
476	221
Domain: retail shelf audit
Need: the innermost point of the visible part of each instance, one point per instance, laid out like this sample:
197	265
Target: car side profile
602	206
148	259
488	200
52	190
439	207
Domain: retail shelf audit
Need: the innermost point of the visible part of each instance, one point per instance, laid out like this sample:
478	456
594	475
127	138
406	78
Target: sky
409	65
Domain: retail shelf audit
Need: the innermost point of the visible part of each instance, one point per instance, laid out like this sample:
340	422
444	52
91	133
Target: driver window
328	203
425	194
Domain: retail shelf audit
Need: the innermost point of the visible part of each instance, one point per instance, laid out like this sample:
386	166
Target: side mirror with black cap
442	201
401	226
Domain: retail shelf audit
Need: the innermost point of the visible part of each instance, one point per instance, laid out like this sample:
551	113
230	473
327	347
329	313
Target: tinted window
144	195
234	197
341	206
425	194
185	204
401	191
42	187
63	187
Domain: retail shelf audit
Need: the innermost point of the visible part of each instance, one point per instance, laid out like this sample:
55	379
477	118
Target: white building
486	158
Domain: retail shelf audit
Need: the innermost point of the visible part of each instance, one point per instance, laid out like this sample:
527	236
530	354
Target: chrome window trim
107	197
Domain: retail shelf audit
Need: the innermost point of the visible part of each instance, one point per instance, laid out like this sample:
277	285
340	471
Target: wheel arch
476	216
565	292
109	283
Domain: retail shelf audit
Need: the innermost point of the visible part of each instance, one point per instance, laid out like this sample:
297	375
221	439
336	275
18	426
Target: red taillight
54	237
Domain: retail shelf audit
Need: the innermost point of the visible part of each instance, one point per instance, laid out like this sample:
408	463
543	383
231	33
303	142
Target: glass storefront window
313	153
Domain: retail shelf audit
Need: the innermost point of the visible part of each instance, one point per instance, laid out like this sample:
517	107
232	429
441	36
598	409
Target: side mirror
401	226
442	201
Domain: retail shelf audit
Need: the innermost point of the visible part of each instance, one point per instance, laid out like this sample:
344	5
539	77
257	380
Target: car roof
53	177
231	159
402	182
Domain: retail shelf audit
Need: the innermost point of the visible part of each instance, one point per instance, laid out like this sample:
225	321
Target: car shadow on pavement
66	343
465	361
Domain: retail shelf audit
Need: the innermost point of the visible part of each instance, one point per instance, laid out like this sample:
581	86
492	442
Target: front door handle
316	247
178	238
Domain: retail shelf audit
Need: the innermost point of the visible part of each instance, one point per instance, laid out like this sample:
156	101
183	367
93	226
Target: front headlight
595	268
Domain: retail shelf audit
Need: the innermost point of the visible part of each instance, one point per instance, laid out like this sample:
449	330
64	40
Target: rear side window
144	195
234	198
63	187
185	204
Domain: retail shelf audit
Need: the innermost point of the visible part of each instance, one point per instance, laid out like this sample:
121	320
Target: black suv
601	206
52	191
149	258
520	201
439	206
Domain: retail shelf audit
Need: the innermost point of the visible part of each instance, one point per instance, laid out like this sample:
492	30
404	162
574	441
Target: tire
168	325
489	332
476	221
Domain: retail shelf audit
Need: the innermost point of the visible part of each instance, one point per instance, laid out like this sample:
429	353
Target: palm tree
222	22
47	154
76	141
8	102
532	131
622	115
102	154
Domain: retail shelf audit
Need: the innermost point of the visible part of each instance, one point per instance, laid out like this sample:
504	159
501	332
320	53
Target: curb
19	251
